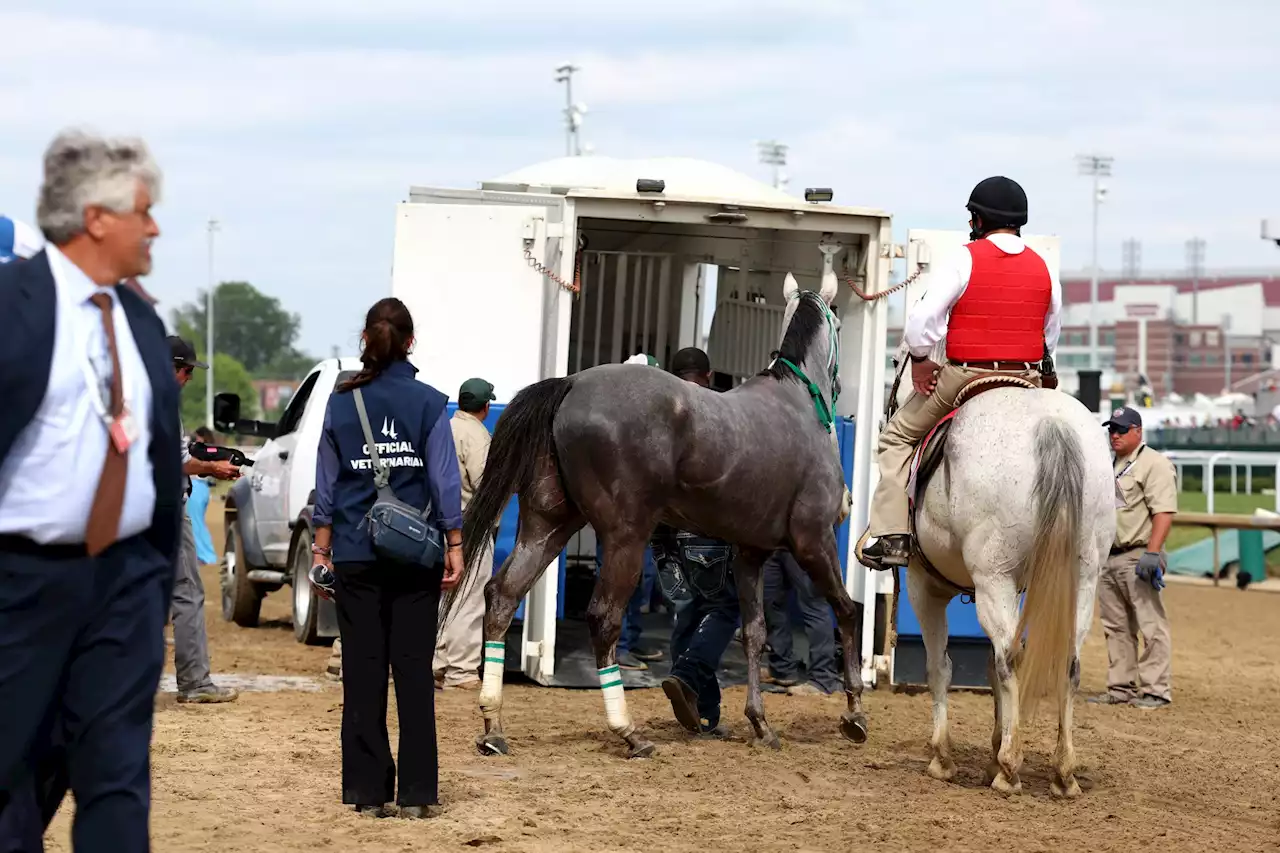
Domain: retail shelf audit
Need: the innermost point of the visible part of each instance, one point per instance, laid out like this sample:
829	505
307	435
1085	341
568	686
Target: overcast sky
300	123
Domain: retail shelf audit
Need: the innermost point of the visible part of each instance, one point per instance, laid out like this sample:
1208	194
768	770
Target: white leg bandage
615	701
495	663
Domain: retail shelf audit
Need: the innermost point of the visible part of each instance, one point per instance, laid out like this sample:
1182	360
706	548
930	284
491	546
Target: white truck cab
268	511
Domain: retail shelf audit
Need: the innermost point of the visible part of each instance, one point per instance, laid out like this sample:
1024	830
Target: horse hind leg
817	555
1064	783
623	566
997	604
749	577
542	536
930	606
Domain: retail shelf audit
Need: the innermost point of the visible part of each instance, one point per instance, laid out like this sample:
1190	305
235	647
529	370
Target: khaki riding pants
458	653
890	513
1130	606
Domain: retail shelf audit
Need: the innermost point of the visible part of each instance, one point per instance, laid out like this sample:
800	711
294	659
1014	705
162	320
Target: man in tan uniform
457	662
1129	589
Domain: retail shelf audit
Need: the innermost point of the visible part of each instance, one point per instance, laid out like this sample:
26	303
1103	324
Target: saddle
929	455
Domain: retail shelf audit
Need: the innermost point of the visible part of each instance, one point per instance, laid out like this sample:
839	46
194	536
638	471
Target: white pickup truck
268	512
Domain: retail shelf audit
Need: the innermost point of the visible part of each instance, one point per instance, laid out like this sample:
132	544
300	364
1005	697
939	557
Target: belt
1003	366
1124	549
12	544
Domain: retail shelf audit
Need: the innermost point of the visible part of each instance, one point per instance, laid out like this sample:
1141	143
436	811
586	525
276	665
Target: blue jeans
704	629
631	617
781	572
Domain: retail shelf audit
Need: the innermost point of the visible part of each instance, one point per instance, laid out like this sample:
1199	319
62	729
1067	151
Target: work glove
1150	568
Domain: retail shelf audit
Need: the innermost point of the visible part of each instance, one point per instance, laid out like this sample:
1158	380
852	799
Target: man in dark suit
90	500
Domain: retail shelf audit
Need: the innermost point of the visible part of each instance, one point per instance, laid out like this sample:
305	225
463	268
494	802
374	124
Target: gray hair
83	170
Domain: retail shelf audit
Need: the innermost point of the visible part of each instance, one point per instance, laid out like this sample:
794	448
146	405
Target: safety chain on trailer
575	287
871	297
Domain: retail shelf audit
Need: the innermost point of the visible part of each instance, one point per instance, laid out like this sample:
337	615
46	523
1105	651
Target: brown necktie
108	502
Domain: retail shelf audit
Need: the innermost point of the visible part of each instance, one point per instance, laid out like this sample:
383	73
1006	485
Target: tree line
254	338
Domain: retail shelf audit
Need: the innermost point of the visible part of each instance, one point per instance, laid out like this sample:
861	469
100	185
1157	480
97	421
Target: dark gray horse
624	447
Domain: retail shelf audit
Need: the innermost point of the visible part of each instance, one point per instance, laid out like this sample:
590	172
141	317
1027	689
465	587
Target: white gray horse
1023	500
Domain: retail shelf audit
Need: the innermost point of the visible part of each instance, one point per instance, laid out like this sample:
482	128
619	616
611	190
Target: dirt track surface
263	774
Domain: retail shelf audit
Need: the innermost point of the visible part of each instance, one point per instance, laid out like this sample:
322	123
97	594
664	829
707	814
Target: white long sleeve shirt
945	283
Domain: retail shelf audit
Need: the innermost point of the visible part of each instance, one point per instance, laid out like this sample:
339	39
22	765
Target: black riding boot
887	552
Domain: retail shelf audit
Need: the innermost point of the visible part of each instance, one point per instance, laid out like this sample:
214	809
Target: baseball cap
474	394
1124	419
690	360
18	240
642	358
184	353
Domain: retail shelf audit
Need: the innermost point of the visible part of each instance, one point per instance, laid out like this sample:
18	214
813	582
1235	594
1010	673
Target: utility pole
208	328
1195	268
774	153
1096	166
1131	265
573	113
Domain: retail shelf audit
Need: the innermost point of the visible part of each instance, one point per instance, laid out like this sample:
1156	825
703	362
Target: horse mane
806	321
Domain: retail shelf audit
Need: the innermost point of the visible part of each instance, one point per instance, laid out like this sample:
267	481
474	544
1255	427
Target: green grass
1222	503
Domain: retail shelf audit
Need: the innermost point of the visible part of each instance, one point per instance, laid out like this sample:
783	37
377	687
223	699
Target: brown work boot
887	552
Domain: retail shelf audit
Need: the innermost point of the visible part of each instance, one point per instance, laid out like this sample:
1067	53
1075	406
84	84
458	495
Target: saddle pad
927	456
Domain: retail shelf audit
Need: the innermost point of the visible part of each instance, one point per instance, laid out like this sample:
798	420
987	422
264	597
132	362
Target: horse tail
1048	618
520	441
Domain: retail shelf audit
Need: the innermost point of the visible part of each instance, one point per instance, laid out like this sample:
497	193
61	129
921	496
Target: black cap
1124	419
1000	201
690	360
184	354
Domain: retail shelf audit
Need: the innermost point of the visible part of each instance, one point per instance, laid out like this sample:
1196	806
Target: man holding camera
190	642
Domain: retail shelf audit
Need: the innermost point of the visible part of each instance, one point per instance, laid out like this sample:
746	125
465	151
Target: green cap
474	394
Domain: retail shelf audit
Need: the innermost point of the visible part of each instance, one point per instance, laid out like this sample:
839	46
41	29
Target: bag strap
381	472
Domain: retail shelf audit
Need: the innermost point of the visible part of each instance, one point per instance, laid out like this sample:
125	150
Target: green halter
826	414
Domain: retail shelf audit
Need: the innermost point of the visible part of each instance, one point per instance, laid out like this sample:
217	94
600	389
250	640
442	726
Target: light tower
1096	166
774	153
573	112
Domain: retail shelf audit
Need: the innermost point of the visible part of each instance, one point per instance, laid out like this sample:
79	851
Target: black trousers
81	649
387	614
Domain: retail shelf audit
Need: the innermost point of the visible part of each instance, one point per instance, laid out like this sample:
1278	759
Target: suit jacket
27	325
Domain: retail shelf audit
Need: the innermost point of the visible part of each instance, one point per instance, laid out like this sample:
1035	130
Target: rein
825	412
819	404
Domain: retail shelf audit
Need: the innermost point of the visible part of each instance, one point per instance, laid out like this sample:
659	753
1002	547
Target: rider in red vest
998	307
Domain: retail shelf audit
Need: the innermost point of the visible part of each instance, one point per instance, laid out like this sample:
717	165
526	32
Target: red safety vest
1000	315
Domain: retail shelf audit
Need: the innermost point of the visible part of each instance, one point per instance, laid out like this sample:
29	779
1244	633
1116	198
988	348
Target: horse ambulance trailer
582	261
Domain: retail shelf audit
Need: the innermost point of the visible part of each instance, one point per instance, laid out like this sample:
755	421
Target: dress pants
190	641
81	650
387	615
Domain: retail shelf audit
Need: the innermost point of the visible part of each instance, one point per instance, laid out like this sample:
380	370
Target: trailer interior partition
562	279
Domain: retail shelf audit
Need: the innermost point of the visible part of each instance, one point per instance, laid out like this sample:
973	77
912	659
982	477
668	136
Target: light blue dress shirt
48	481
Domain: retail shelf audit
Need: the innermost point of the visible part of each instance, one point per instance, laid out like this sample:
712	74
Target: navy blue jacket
411	428
27	324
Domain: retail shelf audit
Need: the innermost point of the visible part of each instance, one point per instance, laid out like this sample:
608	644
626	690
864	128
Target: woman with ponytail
387	610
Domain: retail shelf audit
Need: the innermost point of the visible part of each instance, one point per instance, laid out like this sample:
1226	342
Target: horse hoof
492	744
1065	792
1001	783
943	772
854	728
643	749
771	741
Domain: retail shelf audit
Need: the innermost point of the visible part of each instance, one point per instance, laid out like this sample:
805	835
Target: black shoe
887	552
684	703
641	653
419	812
373	811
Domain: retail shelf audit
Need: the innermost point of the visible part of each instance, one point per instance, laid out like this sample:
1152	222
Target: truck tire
306	604
241	598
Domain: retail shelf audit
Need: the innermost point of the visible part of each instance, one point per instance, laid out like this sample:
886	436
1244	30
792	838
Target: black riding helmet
1000	203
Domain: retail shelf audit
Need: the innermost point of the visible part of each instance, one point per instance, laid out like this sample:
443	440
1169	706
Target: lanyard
95	383
1125	469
